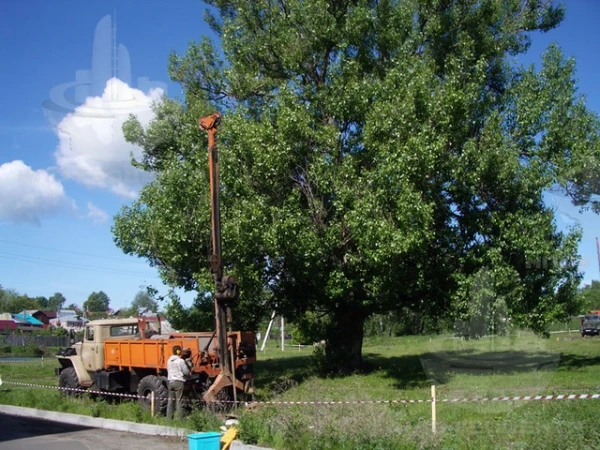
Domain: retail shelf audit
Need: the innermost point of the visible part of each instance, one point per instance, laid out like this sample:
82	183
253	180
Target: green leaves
375	156
97	302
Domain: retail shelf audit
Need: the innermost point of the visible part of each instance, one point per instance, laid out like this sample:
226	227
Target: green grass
405	368
30	351
49	399
398	369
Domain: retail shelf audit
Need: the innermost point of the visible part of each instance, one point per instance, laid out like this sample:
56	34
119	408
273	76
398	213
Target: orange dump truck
130	356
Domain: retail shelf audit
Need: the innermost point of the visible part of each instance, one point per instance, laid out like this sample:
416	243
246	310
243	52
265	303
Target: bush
203	420
52	331
33	351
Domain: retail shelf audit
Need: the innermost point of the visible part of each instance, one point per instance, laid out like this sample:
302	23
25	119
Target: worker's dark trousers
175	396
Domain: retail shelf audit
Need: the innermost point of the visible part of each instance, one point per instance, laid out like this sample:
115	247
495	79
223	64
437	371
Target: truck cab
100	331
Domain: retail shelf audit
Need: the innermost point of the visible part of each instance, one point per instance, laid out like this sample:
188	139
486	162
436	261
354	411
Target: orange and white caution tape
333	403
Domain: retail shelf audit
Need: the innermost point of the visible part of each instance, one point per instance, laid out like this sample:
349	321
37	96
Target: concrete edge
110	424
239	445
96	422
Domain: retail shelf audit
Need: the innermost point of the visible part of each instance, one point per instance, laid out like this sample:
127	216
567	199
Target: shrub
203	420
253	428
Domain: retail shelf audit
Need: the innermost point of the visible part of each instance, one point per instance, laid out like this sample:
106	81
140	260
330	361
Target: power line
68	265
107	271
60	250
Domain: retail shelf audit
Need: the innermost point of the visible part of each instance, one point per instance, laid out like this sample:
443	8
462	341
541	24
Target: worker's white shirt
177	368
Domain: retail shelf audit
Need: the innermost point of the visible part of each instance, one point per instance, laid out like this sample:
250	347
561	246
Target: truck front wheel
149	384
68	380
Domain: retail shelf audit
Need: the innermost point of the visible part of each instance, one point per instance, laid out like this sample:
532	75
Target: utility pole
598	253
226	287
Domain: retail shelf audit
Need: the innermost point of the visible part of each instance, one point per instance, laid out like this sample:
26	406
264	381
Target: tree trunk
344	343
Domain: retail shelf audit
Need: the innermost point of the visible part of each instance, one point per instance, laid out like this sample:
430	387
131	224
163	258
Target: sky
64	165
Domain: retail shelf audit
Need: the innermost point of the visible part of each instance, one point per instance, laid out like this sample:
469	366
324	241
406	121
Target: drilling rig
130	355
226	287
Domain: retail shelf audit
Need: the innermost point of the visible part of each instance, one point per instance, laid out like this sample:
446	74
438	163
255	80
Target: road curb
110	424
96	422
239	445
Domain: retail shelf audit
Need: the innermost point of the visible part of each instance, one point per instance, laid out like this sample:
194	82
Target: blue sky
62	182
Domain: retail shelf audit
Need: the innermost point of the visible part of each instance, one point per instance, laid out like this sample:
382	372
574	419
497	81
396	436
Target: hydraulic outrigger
226	287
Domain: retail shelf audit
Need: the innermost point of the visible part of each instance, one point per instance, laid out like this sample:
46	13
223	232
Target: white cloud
92	149
96	214
27	194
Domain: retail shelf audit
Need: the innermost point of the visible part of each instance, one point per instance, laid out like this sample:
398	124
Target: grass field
399	369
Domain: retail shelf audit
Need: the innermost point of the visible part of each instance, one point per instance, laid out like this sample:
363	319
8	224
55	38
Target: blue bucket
205	441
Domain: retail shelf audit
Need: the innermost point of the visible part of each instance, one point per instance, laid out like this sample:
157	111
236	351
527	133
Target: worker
177	371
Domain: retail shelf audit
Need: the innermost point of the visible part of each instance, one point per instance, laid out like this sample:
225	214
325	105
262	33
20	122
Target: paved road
23	433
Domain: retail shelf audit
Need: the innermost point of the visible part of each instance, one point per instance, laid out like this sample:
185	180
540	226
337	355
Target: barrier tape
522	398
343	402
4	361
88	391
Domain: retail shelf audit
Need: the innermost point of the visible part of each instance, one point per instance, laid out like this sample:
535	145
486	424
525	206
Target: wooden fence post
433	410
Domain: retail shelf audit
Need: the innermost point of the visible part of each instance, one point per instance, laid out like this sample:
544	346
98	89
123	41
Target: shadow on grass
406	370
440	366
419	371
278	375
569	361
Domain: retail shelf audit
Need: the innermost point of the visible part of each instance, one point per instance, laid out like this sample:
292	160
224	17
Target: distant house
29	319
165	325
49	314
42	316
20	323
69	319
7	325
27	322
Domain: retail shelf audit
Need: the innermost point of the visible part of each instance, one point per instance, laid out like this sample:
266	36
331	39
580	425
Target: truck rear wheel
149	384
68	380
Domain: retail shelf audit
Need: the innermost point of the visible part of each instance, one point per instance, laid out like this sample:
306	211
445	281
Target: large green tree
13	302
97	302
56	302
143	301
375	156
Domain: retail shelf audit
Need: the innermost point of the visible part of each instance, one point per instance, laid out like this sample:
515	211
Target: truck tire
149	384
68	380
